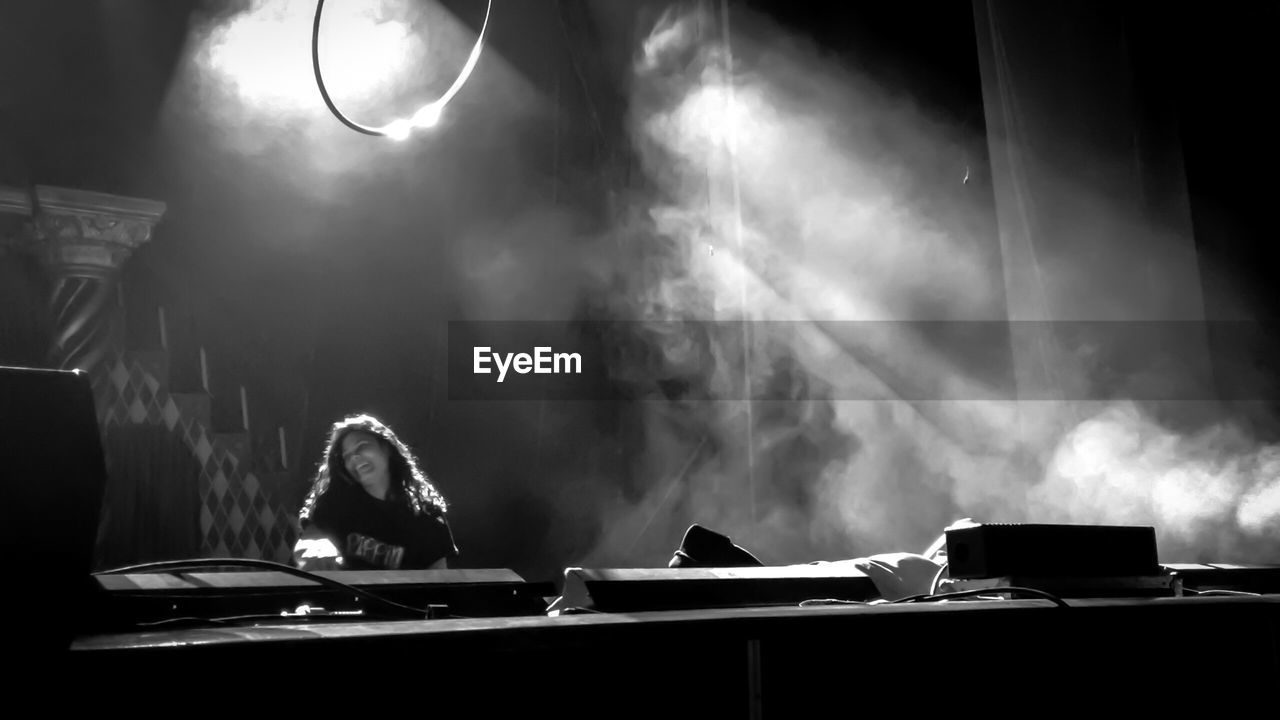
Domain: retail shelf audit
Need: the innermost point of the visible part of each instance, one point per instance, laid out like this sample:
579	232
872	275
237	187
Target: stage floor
746	662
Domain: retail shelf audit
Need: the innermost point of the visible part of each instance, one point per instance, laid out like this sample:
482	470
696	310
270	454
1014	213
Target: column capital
83	238
78	230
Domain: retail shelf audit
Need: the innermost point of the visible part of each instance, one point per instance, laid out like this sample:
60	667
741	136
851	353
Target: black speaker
1047	551
52	477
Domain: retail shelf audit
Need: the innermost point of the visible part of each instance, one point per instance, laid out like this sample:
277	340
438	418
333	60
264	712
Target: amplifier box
1045	551
1204	577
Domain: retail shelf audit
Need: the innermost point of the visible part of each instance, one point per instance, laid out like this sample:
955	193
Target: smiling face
366	459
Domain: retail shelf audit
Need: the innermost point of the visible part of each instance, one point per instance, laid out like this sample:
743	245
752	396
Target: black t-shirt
375	534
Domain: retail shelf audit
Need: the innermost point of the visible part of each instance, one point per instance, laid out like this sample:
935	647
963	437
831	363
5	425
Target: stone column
83	239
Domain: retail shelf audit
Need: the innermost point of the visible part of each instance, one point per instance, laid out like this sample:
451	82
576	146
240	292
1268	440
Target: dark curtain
1088	173
151	508
1132	162
1089	182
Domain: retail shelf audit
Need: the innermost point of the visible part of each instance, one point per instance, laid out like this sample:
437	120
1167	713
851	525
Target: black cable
377	132
930	597
231	619
1220	591
830	601
937	579
577	69
178	565
324	92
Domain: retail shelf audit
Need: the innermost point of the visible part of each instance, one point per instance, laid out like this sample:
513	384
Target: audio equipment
1051	551
1210	577
226	595
642	589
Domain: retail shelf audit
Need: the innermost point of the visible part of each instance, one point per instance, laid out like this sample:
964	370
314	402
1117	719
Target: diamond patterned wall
237	517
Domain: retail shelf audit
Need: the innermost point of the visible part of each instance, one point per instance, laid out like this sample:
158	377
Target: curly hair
409	484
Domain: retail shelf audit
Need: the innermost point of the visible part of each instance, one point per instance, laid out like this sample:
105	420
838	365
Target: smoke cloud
791	188
780	186
1211	493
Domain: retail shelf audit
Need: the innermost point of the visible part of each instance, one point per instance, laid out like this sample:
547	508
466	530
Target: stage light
261	55
426	116
397	129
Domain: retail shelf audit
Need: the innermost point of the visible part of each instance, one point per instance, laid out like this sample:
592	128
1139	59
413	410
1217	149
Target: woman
371	507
